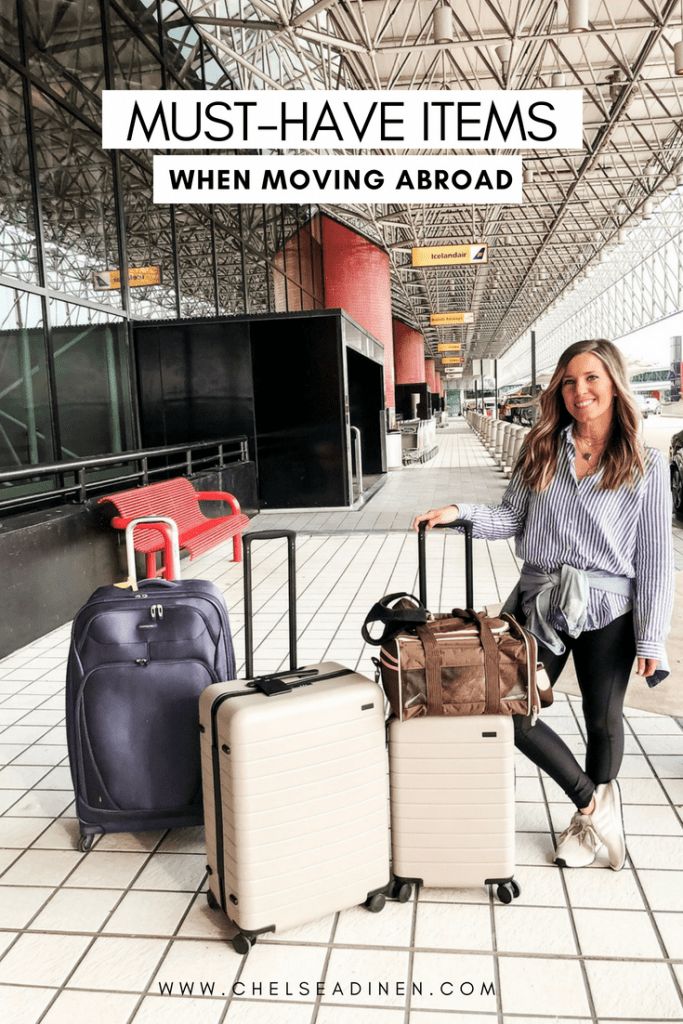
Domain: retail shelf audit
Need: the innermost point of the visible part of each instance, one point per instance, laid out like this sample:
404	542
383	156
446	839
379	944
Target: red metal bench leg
151	565
237	547
167	571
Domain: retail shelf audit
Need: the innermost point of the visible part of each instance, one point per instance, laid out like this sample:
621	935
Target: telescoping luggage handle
169	530
247	541
422	561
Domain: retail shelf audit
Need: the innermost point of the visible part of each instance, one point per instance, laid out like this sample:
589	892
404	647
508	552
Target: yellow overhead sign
447	255
451	319
449	346
138	277
452	360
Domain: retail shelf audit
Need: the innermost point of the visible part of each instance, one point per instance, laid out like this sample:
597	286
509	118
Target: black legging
603	659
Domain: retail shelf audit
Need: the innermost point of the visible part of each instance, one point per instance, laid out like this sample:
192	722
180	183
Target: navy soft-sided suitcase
138	661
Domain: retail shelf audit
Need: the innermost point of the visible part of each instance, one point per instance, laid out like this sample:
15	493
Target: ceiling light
648	209
622	235
528	175
503	53
616	86
443	25
678	57
578	15
558	79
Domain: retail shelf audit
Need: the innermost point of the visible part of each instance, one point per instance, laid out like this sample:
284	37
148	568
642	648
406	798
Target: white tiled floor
94	937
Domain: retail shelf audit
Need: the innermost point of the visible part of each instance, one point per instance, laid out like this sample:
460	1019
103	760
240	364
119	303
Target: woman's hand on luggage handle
437	517
646	667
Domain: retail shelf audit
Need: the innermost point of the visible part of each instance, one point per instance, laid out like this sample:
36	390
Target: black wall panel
194	381
299	412
366	384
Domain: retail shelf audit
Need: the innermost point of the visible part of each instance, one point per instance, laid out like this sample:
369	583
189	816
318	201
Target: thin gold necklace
597	445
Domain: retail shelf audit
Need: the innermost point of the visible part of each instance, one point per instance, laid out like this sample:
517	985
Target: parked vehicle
676	467
649	405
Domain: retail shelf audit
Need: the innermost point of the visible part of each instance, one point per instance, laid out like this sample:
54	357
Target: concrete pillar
357	278
409	354
430	374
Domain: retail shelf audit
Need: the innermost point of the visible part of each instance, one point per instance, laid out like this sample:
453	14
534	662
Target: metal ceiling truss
577	201
637	284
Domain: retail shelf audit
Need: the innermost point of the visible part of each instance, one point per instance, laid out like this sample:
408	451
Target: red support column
409	354
357	279
430	375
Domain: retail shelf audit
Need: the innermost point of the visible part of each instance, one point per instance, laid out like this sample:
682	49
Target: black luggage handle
422	561
247	541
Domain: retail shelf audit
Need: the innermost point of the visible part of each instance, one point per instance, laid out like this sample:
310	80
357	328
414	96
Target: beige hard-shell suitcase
453	801
294	779
452	784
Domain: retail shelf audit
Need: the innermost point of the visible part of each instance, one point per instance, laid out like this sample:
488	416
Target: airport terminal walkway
93	936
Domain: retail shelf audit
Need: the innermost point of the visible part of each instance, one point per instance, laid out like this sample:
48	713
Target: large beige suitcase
295	792
453	802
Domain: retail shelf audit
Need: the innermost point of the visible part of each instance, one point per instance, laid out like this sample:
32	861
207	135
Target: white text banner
343	119
234	180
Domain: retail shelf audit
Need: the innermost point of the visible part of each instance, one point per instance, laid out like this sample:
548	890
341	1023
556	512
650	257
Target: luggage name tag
129	584
269	686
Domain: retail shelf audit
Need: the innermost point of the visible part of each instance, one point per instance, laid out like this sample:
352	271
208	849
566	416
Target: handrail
357	447
192	459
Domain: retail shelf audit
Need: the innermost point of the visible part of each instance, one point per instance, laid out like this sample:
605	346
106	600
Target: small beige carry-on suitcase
452	785
295	788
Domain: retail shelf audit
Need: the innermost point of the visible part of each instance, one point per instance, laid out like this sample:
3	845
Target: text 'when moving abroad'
218	179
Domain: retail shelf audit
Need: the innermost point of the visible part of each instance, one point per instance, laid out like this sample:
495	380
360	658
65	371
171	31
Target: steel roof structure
575	203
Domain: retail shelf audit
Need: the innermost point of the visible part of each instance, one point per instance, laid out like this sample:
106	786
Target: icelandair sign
358	120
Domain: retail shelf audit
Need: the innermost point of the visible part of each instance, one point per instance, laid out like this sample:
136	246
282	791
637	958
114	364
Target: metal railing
71	476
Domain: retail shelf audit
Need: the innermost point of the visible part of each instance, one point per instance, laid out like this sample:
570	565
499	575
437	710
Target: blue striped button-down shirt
626	532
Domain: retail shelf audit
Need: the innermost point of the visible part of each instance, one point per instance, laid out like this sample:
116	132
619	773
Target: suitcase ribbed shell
452	799
303	799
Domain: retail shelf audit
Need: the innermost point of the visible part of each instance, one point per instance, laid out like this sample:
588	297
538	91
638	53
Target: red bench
177	499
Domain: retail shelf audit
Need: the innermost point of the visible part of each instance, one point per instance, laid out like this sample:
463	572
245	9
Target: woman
590	507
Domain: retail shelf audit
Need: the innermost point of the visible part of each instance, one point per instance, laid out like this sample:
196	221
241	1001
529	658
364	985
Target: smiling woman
590	509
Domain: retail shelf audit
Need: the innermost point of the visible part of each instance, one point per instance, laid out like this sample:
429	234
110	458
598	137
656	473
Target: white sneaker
608	822
578	844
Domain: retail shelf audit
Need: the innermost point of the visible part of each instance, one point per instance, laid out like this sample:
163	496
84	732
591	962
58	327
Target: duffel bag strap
395	620
491	665
432	670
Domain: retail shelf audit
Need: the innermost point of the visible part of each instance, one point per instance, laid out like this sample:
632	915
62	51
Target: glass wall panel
229	260
258	274
195	261
92	379
64	44
18	250
135	66
77	197
182	49
149	240
25	430
9	32
143	15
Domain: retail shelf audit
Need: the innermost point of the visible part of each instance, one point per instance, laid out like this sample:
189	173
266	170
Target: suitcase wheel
401	891
242	943
507	891
212	901
376	903
85	842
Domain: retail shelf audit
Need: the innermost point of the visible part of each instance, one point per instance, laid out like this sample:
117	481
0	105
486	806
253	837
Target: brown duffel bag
456	663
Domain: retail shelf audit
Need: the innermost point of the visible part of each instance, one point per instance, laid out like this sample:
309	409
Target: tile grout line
411	954
570	911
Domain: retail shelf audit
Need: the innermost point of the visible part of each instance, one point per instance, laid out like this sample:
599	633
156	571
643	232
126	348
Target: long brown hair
623	457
